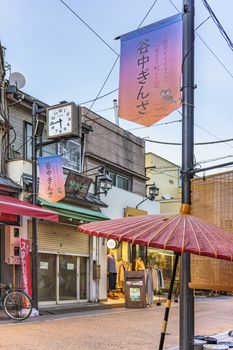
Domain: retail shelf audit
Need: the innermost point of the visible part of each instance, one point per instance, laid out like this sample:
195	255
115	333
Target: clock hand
58	121
55	122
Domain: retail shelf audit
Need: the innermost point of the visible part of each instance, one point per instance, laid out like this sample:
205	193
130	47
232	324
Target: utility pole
186	294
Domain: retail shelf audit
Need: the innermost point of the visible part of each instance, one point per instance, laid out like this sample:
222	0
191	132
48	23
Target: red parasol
181	233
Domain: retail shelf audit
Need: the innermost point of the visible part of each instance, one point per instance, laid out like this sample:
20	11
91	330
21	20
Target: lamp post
153	192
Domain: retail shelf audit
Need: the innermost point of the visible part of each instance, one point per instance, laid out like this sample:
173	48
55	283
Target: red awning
11	205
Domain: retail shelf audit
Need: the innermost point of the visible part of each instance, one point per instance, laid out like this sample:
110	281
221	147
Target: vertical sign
25	265
150	71
51	186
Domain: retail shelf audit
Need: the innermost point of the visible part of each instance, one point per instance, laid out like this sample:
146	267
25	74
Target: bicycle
15	302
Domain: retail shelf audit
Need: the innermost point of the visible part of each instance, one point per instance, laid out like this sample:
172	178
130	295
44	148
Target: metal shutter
60	238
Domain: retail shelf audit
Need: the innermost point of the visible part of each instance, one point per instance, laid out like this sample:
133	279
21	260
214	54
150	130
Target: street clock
63	120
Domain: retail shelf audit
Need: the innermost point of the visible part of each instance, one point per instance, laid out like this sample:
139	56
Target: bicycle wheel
17	305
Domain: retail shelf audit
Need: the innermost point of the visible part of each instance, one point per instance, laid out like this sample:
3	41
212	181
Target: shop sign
25	264
112	244
77	184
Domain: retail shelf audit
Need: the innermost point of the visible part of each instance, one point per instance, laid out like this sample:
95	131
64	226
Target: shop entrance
62	278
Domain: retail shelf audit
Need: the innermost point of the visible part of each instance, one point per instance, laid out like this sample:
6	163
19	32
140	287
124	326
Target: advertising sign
51	186
150	71
77	184
25	265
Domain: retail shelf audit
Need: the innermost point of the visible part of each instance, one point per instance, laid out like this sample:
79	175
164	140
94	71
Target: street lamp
103	183
153	192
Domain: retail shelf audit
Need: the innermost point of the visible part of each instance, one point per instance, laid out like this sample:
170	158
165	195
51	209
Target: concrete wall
118	200
118	149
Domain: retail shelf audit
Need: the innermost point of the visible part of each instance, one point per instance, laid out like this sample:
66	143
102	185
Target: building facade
72	267
166	176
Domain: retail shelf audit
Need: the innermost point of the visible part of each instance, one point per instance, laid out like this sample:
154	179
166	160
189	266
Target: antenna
17	79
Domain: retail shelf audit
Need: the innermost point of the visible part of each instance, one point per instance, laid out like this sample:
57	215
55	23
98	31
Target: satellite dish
17	79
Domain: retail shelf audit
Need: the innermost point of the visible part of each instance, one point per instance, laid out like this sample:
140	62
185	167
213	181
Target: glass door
47	277
67	278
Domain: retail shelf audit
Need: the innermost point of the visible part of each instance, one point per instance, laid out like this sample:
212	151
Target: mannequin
112	271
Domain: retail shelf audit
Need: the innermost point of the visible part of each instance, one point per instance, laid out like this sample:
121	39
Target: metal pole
34	220
186	294
115	106
169	300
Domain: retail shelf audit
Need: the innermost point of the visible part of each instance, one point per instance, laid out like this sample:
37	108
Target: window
28	141
122	182
119	181
70	151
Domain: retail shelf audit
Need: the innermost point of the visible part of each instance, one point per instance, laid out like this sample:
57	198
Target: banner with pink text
150	71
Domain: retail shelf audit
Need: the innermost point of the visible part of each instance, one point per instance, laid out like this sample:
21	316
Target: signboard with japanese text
51	187
150	71
77	184
25	265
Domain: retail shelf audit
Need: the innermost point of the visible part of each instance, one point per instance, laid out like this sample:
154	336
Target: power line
196	144
171	2
114	64
103	85
147	13
87	25
218	24
102	96
222	64
208	132
166	123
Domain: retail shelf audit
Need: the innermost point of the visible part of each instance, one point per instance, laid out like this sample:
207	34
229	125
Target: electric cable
102	96
218	24
208	132
147	13
196	144
212	52
114	64
219	61
159	124
87	25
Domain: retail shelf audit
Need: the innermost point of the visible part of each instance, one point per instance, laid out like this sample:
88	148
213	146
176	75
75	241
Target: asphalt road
113	329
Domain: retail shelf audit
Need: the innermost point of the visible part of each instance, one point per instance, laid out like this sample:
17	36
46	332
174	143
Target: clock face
60	120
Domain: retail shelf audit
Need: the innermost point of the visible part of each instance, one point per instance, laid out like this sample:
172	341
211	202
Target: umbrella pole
168	304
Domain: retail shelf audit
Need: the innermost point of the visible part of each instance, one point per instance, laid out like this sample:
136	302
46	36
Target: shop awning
11	205
74	212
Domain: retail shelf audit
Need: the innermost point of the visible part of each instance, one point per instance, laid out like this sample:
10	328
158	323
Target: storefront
65	255
157	259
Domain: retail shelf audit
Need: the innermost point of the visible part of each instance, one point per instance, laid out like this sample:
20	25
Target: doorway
62	278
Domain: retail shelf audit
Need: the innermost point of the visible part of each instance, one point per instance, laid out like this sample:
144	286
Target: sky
61	59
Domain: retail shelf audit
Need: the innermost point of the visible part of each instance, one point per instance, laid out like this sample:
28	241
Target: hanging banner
150	71
51	186
25	265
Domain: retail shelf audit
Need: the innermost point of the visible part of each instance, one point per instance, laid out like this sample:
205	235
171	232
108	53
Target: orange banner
150	71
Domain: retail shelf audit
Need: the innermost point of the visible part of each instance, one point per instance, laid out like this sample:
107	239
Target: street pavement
114	328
